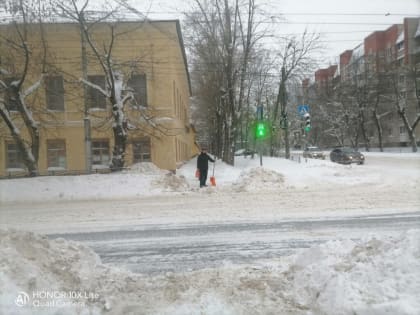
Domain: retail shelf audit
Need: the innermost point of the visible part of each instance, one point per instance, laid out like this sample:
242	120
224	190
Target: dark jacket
203	161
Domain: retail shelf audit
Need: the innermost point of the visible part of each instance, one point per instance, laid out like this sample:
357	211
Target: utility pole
261	131
283	118
86	118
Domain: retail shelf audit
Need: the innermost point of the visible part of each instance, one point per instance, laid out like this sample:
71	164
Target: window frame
139	156
102	149
138	83
55	101
57	157
95	99
19	165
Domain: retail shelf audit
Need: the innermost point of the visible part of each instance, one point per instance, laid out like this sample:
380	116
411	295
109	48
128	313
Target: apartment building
325	79
396	48
75	124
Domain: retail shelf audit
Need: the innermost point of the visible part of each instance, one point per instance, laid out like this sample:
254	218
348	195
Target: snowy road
361	223
238	222
156	249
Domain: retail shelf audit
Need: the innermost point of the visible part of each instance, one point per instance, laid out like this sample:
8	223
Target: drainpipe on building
86	119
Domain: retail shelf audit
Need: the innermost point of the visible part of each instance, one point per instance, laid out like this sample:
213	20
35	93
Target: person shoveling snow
203	166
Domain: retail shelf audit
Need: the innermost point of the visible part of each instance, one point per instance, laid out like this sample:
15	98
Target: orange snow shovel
212	178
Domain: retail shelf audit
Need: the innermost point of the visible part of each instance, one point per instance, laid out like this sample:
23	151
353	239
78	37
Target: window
56	154
138	83
141	151
55	93
11	102
402	79
403	94
95	98
100	152
13	156
402	130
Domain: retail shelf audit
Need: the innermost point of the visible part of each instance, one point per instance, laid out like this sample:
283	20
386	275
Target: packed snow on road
374	273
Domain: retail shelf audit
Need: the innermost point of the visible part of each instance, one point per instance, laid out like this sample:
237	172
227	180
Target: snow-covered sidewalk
396	170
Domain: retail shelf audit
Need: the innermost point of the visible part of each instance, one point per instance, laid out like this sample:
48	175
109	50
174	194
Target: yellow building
149	56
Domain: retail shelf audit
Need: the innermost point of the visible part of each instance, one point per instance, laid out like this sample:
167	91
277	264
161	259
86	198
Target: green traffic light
261	130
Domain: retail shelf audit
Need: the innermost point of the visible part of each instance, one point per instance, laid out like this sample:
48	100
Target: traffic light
261	130
307	117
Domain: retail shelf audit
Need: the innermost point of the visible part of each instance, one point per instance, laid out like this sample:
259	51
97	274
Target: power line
345	14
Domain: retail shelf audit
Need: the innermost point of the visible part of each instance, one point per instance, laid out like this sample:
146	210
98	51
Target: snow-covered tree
16	107
117	92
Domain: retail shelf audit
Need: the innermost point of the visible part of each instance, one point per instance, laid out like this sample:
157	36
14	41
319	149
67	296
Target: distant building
326	78
397	48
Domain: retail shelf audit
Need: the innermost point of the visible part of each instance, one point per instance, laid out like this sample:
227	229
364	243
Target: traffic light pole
261	130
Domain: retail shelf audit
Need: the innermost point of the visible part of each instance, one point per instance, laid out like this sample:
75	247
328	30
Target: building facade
382	69
75	125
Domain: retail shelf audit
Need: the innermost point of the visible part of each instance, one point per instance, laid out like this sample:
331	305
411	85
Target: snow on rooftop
358	52
417	34
400	38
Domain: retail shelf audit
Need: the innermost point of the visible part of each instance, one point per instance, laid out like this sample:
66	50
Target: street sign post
303	109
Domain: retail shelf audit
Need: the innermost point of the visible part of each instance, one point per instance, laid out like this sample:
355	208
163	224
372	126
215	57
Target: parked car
244	152
313	152
347	156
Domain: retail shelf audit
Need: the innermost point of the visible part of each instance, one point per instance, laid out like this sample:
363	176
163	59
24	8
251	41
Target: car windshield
349	150
313	149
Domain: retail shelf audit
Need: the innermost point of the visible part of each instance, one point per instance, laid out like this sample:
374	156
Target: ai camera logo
22	299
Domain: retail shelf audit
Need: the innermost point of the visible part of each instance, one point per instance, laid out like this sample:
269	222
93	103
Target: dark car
313	152
347	156
245	152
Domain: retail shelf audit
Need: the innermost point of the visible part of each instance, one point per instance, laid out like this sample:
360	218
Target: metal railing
26	174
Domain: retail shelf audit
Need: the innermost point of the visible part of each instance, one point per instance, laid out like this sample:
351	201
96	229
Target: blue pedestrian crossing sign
303	109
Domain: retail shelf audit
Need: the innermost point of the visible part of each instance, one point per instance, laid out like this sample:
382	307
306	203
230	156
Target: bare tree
113	78
15	87
403	83
225	34
296	58
380	106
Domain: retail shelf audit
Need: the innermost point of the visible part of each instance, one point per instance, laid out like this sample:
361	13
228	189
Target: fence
25	174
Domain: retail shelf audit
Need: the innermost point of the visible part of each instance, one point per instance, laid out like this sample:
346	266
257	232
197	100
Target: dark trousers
203	177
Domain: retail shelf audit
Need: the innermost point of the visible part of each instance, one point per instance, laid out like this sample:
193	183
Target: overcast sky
343	24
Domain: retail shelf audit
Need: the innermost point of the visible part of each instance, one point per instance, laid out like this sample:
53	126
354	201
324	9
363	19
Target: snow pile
171	182
371	276
145	179
31	263
127	184
259	179
146	168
